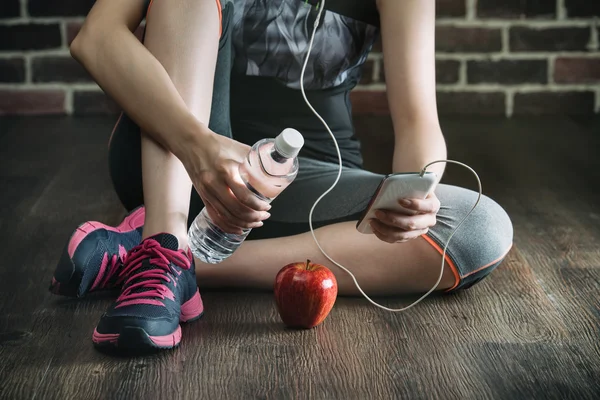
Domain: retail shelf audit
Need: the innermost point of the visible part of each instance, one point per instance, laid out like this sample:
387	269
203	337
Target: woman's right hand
213	166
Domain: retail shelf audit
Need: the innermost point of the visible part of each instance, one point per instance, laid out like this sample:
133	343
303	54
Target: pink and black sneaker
159	292
93	255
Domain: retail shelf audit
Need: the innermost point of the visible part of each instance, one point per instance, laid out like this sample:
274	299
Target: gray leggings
478	246
476	249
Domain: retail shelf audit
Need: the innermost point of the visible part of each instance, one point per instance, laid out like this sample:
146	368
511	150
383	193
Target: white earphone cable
321	7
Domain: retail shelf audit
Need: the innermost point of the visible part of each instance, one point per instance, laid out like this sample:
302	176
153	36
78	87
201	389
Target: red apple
304	294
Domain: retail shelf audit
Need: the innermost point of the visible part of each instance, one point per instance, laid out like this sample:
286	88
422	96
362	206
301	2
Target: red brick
471	103
93	103
74	27
58	69
31	102
29	37
582	8
12	69
507	71
446	71
516	8
549	39
467	40
10	9
450	8
59	8
554	103
577	70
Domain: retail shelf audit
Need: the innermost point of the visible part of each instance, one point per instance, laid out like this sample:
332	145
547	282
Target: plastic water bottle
269	168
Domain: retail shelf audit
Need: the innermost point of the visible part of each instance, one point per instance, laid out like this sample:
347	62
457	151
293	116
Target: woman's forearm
413	151
408	34
136	80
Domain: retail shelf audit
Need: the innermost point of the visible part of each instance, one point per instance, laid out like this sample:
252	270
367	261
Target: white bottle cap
289	142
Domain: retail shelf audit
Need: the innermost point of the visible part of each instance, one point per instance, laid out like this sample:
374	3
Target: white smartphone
393	188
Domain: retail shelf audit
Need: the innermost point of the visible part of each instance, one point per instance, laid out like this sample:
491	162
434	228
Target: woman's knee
481	243
491	243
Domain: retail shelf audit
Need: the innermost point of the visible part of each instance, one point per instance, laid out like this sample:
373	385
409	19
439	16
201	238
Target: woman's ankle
175	224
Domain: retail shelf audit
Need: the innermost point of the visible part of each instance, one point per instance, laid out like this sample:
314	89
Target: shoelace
152	280
108	270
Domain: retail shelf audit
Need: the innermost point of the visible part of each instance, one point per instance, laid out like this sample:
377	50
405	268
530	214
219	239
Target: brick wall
494	57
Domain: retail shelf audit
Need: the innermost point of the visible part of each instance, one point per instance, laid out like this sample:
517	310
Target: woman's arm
408	37
408	32
136	80
173	107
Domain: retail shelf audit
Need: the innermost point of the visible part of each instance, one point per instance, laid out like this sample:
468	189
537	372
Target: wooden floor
531	330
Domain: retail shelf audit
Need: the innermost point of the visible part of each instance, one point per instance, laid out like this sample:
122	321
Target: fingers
240	207
221	216
218	181
216	213
431	204
390	234
221	222
394	227
230	209
244	195
405	222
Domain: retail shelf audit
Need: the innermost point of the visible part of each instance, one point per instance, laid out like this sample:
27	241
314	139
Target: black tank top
270	42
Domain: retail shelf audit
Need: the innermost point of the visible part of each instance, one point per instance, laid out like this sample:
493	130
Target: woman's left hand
401	226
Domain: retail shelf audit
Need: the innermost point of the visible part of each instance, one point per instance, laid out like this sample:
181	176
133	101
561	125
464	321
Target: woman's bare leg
380	268
184	37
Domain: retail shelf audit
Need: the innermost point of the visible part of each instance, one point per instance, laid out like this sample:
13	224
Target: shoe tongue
166	240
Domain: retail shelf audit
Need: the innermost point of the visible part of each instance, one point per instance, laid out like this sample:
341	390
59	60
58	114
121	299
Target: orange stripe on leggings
490	264
449	262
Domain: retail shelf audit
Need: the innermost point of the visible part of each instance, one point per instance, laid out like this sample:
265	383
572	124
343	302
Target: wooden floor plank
530	330
534	371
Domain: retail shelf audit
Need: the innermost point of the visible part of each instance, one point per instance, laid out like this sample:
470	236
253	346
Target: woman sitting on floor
209	80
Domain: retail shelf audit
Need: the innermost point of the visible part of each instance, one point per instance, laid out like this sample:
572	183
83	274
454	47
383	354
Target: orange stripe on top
449	262
115	129
148	9
220	17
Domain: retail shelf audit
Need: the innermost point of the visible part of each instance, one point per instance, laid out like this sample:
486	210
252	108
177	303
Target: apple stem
307	262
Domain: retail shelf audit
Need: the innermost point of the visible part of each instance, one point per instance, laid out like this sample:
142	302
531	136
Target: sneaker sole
135	338
69	286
